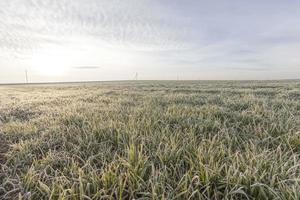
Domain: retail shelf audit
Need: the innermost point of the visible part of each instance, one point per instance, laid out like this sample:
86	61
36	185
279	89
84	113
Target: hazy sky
75	40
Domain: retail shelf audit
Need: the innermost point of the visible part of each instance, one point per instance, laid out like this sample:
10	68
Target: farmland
151	140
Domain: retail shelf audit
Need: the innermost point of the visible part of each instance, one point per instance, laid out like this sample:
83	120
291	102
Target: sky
91	40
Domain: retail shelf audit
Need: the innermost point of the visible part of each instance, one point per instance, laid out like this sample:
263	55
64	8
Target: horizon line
127	80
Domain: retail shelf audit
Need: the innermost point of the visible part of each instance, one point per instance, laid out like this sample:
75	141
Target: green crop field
151	140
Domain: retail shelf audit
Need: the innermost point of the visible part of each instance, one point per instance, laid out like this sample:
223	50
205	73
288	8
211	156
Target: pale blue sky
77	40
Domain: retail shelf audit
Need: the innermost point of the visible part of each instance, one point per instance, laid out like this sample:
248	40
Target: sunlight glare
50	63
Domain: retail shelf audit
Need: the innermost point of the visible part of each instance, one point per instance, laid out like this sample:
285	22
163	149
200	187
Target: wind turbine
26	76
136	76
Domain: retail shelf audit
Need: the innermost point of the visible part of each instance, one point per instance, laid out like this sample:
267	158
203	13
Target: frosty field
151	140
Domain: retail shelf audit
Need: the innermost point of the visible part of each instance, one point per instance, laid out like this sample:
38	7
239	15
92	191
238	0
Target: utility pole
26	76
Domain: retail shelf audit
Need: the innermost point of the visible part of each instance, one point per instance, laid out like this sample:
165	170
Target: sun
50	62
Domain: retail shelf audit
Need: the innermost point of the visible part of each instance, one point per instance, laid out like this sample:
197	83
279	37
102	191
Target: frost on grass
151	140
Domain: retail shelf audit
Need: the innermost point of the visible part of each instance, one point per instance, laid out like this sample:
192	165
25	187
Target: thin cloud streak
86	67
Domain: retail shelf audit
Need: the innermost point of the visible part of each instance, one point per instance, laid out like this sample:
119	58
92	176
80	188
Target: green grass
151	140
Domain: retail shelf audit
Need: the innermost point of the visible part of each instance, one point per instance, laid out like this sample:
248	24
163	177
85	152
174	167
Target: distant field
151	140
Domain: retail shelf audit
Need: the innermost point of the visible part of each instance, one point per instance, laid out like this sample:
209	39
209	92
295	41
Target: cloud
134	24
158	36
255	68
